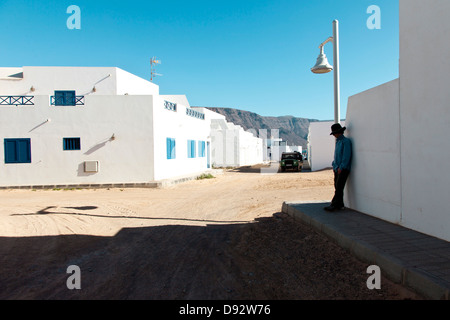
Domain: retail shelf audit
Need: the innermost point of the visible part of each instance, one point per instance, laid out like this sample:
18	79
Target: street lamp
322	66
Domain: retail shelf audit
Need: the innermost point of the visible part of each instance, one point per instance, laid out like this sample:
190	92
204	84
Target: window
65	98
72	144
191	149
201	149
171	154
17	150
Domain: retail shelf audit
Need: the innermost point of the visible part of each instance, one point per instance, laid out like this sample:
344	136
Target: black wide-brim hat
337	128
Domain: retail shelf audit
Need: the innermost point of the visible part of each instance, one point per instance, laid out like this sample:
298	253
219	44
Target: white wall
400	129
128	83
250	149
127	159
181	127
45	80
122	104
321	145
373	126
138	154
232	146
224	142
425	114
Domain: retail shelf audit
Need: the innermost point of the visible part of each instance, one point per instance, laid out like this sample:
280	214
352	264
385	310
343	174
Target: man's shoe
332	208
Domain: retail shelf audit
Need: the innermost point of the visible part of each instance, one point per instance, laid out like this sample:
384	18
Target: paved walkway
405	256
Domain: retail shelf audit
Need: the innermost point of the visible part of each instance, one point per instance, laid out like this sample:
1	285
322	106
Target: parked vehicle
291	161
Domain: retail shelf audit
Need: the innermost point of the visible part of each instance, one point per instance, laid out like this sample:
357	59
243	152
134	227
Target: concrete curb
153	184
393	268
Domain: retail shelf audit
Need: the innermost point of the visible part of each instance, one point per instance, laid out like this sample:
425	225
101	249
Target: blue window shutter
173	149
70	98
71	144
65	98
201	148
194	153
191	149
24	151
10	151
17	150
168	146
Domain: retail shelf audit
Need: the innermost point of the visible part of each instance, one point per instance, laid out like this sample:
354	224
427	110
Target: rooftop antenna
153	63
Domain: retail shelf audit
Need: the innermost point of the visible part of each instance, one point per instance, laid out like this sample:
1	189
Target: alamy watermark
74	21
74	281
374	21
374	281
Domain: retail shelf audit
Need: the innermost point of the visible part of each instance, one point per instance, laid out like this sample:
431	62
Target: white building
232	146
400	129
84	126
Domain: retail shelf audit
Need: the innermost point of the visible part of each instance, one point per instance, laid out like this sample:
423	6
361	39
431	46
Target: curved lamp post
322	66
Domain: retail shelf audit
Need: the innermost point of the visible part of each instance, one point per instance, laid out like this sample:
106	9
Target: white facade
374	185
273	152
232	146
321	145
182	128
400	129
121	122
45	80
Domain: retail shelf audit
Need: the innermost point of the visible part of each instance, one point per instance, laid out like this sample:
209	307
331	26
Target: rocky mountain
291	129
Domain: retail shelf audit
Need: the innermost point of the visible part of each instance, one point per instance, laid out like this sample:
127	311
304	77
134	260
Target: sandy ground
221	238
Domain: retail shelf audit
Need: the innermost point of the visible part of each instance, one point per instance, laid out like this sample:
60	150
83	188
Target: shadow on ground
272	258
269	169
250	169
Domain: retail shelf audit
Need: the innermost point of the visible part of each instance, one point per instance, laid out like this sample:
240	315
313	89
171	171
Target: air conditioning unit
91	166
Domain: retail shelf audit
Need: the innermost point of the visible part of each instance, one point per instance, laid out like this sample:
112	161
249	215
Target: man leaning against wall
341	166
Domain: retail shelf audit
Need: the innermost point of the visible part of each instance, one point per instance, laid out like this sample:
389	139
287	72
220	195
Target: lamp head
322	64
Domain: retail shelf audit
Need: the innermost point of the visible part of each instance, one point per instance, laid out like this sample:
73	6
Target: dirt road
221	238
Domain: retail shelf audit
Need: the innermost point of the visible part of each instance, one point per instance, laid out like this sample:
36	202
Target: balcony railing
195	114
170	106
16	101
65	101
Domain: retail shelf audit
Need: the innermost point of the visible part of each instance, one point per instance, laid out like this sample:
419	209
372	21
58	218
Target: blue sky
253	55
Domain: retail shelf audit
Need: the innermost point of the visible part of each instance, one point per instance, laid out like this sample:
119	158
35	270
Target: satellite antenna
153	63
